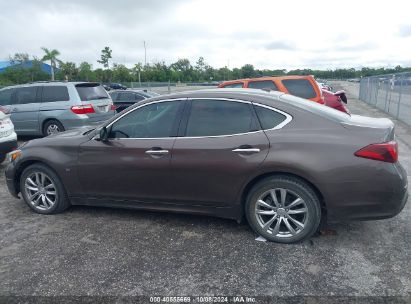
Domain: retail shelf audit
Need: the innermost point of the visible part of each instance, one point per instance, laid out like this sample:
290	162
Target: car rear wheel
52	127
283	209
42	190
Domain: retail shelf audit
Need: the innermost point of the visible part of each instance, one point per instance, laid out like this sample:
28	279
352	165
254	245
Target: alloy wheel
281	212
40	191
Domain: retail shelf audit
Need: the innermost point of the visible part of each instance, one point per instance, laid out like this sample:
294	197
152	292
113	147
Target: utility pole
145	53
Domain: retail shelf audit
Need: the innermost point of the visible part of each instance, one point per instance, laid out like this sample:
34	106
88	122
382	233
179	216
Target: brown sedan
284	162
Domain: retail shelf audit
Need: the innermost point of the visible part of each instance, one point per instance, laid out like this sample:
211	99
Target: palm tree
52	56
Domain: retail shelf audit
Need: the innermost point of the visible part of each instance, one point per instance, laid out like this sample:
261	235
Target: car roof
269	78
48	83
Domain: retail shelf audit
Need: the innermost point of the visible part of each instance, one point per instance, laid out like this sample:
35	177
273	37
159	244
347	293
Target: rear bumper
374	204
71	124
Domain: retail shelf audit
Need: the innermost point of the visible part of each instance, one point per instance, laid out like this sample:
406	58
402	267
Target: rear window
91	91
300	87
265	84
55	93
5	97
234	85
269	118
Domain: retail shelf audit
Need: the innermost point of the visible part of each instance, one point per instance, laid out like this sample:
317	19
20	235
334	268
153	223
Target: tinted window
234	85
139	97
266	84
219	117
55	93
91	91
269	118
26	95
151	121
126	97
113	95
5	97
300	87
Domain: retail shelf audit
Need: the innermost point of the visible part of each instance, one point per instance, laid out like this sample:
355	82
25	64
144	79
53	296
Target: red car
336	100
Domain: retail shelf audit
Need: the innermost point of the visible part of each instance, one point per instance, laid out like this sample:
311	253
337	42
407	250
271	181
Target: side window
126	97
5	97
138	97
264	84
151	121
234	85
220	117
55	93
269	118
26	95
113	95
300	87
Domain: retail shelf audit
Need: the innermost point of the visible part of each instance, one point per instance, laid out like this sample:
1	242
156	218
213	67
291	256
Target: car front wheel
42	190
283	209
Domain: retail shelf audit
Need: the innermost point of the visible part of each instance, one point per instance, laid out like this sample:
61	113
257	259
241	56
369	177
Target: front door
134	164
221	147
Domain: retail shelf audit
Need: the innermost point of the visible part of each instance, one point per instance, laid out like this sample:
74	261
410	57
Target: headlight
13	155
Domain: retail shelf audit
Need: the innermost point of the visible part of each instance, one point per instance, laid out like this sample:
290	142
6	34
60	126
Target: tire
60	199
52	127
300	209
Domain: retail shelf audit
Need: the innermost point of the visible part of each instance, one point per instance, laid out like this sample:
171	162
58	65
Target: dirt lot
99	251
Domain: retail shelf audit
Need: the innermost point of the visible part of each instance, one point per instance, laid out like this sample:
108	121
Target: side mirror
103	134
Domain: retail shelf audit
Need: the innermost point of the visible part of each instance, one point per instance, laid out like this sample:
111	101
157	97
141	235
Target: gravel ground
90	251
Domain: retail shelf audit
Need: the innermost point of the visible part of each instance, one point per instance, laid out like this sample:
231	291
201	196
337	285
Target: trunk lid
380	129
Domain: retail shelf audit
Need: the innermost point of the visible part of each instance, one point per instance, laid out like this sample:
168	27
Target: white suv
8	138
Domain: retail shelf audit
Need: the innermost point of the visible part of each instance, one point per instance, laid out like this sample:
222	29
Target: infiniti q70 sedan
283	162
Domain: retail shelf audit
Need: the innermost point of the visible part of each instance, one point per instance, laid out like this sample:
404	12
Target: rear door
94	94
221	145
25	110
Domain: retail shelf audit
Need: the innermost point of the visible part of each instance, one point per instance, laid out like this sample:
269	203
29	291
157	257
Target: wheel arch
263	176
23	166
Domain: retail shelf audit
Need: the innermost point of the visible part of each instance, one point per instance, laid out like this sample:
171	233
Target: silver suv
44	108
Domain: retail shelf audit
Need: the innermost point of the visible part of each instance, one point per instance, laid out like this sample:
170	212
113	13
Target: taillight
83	109
387	152
113	107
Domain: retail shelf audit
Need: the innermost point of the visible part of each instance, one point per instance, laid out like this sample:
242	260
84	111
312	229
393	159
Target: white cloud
268	34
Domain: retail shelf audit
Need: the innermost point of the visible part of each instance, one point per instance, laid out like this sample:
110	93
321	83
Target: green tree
85	72
68	70
247	71
51	55
105	57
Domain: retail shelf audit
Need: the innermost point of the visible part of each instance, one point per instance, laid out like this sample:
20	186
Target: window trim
280	126
184	117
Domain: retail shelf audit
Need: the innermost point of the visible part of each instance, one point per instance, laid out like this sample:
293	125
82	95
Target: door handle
157	152
15	109
246	150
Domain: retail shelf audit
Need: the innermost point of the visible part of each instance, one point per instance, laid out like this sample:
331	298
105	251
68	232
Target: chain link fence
390	93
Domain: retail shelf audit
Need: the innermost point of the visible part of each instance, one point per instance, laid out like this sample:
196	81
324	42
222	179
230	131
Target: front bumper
7	145
10	173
